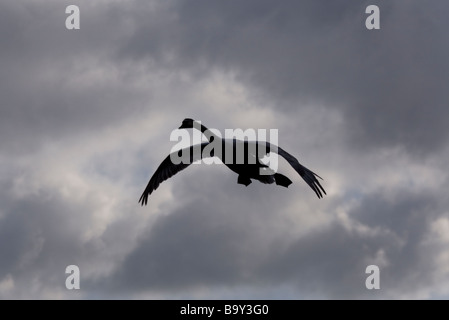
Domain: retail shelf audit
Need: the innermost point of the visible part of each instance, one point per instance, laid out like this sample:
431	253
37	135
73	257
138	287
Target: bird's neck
207	133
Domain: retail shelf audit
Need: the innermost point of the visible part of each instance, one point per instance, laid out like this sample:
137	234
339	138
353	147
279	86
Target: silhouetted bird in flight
250	168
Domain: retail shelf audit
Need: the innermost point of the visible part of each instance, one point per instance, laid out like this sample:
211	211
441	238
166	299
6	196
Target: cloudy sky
86	117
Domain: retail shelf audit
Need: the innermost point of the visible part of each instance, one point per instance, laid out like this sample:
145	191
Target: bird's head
187	123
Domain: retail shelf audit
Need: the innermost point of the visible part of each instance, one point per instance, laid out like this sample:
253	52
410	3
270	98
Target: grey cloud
46	70
199	243
62	88
203	246
338	256
43	233
39	239
390	83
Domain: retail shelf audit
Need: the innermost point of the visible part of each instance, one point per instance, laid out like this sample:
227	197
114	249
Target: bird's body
248	162
242	157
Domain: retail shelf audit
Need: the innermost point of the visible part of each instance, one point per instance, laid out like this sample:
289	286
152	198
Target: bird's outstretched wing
168	169
309	176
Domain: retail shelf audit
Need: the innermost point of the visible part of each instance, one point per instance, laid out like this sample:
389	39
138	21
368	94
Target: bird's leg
282	180
244	180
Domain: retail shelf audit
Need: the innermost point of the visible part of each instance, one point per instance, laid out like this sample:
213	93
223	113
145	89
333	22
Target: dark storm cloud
61	88
40	237
44	232
191	247
200	243
203	246
338	256
56	82
389	83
